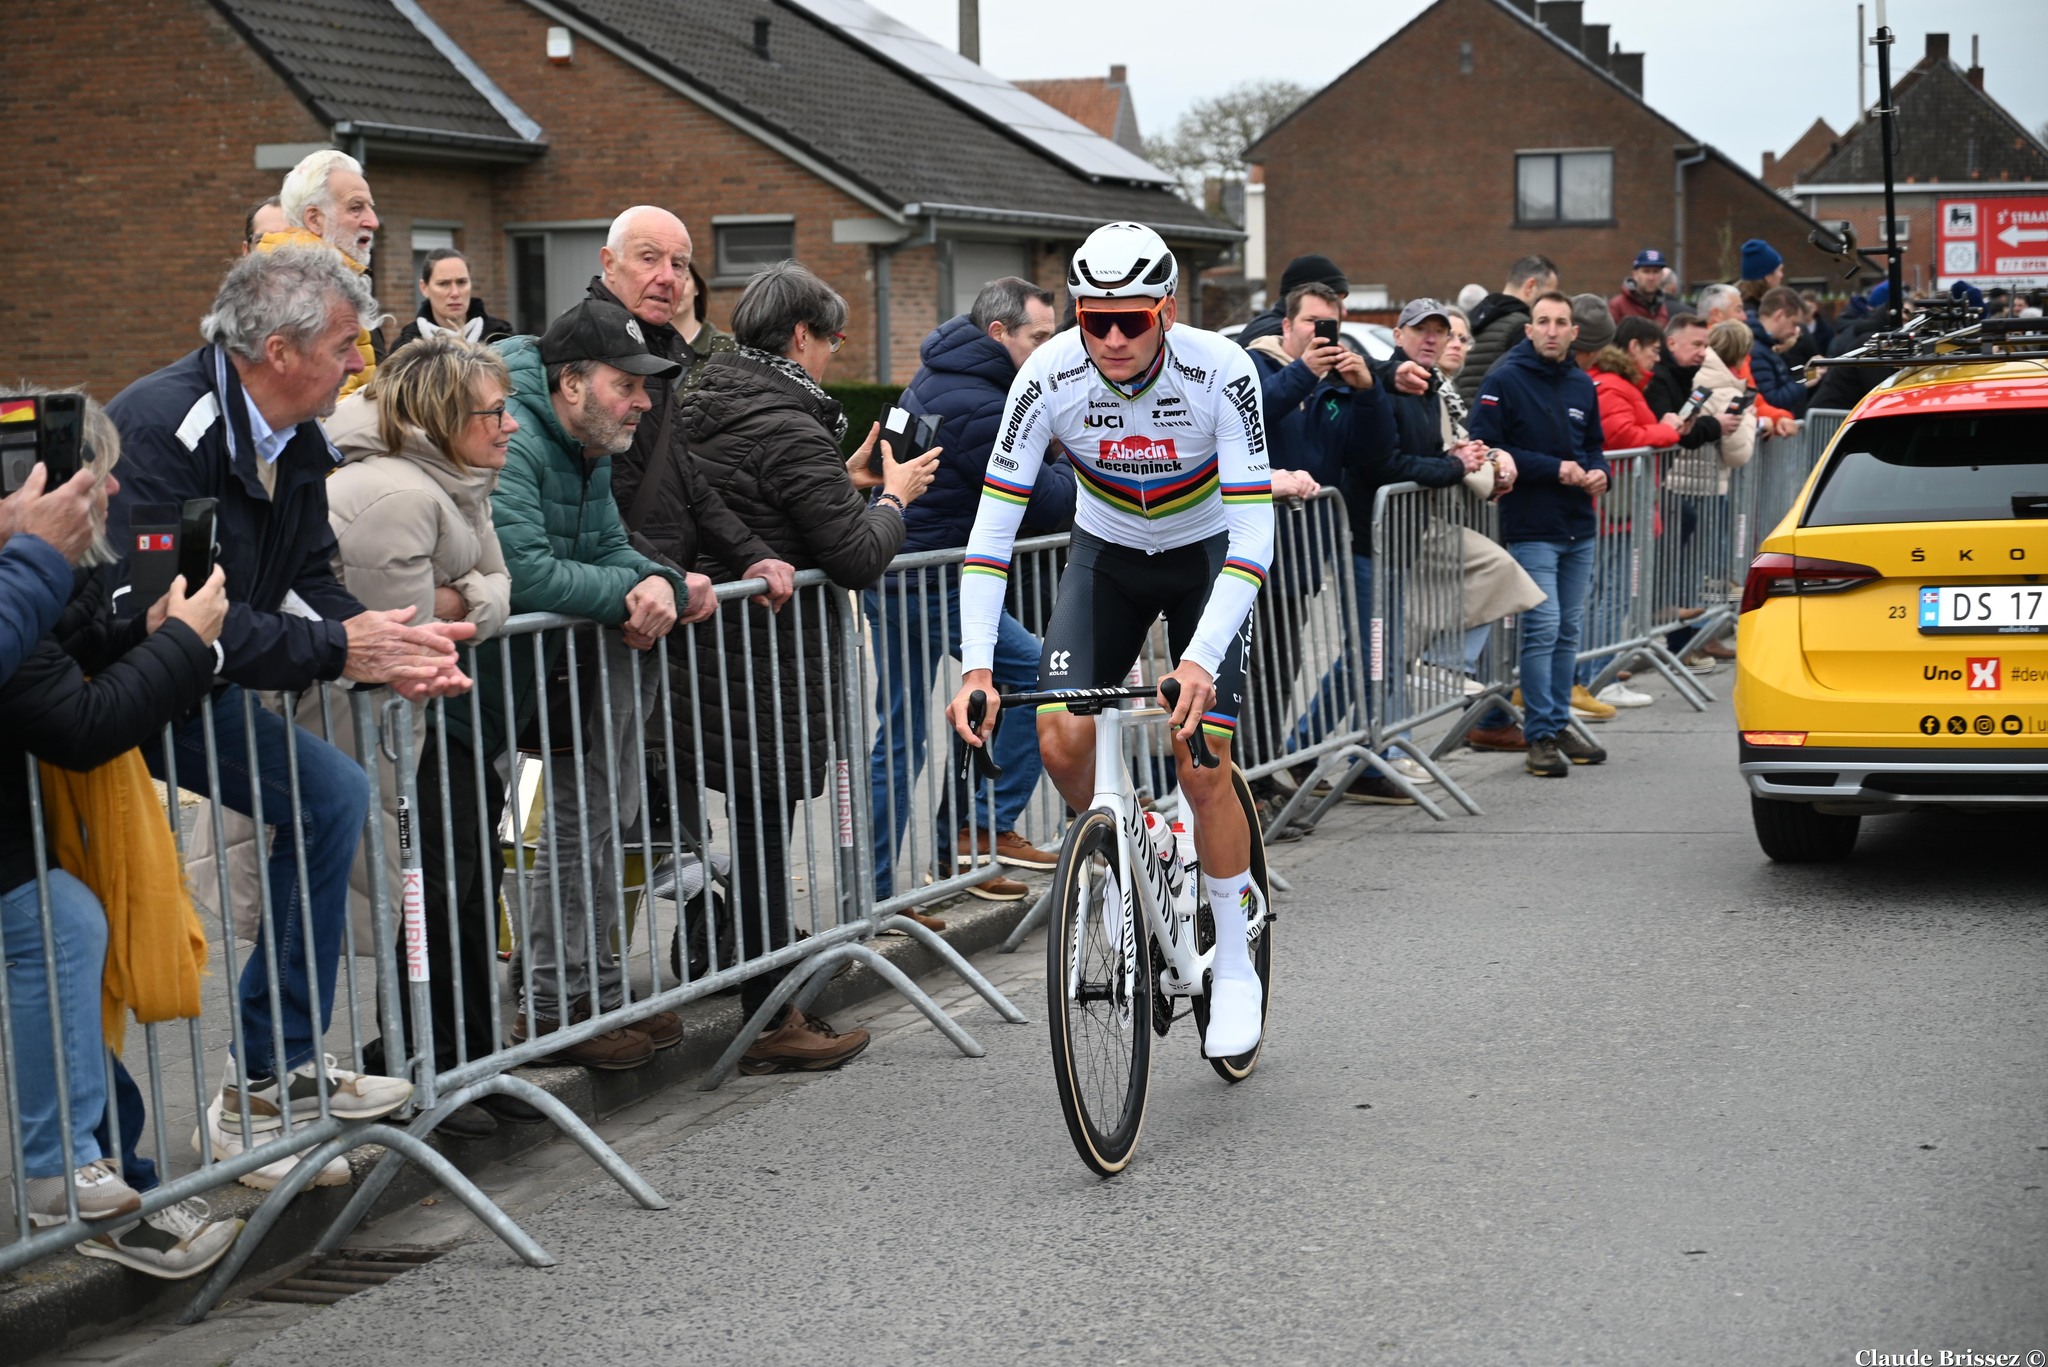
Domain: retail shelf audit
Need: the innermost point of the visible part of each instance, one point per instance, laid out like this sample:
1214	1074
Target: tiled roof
1808	152
898	138
1948	131
366	63
1091	100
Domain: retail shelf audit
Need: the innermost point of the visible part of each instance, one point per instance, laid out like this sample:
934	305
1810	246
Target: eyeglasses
836	341
1133	323
496	415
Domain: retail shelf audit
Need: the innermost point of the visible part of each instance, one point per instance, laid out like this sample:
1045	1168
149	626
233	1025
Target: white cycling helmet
1123	261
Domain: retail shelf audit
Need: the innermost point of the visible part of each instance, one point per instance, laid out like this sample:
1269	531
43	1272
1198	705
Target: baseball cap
1417	310
599	330
1648	257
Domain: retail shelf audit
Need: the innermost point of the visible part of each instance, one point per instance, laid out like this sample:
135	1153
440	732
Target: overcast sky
1746	75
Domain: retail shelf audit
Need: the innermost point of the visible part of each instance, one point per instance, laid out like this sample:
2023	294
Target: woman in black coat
768	438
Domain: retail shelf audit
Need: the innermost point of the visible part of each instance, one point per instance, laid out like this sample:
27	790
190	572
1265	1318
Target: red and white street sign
1994	240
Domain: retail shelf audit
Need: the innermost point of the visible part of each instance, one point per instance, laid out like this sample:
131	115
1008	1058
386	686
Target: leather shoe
517	1110
803	1043
614	1050
1507	737
664	1029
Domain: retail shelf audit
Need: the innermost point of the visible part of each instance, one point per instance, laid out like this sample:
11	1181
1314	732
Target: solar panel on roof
1072	144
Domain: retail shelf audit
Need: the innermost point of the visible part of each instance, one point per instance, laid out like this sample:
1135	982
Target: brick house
1810	149
1101	103
515	130
1486	130
1952	139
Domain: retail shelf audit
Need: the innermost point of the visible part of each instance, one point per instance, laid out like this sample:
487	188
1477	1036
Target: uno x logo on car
1983	673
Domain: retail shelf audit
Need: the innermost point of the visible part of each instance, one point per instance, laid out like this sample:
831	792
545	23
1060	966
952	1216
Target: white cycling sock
1235	994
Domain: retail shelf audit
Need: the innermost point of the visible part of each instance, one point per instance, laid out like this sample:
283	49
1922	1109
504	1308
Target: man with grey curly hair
235	421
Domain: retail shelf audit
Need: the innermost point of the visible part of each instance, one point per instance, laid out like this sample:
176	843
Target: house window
1903	225
745	245
551	269
1564	187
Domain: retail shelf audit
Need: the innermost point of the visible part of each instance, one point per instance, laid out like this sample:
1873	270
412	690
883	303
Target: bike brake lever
1198	744
978	756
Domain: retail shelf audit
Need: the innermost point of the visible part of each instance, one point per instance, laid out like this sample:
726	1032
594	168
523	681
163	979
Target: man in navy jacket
235	421
1543	410
969	362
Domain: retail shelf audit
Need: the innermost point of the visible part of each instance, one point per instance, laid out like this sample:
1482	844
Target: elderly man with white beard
327	202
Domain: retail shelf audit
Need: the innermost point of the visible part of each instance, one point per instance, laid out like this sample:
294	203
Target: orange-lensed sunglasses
1134	323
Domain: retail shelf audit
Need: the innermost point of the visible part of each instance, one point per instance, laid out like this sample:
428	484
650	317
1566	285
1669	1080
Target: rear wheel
1240	1067
1798	833
1098	998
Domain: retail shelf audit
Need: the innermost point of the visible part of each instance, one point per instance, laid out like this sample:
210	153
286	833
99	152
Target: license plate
1984	609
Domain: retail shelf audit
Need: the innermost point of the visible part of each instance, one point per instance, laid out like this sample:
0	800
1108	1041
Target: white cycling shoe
1235	1021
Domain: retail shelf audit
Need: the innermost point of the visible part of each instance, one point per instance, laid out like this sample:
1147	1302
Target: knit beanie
1759	259
1596	324
1312	270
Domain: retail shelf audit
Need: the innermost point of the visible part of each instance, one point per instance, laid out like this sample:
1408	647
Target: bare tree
1210	139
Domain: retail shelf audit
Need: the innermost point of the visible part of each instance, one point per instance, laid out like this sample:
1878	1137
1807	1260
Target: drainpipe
1699	154
884	255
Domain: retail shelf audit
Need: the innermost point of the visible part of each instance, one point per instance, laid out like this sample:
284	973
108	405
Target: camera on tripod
45	428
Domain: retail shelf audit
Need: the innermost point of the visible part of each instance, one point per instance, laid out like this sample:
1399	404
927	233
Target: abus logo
1983	674
1138	448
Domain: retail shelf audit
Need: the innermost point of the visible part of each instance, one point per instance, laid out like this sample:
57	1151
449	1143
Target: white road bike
1117	912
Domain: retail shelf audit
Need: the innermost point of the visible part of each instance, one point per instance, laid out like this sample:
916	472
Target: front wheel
1098	976
1798	833
1238	1068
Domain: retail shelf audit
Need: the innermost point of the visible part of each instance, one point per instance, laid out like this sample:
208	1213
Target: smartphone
1326	330
1742	404
909	434
198	545
45	428
1693	403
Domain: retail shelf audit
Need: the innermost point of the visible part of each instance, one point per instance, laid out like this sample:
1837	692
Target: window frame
1556	156
724	271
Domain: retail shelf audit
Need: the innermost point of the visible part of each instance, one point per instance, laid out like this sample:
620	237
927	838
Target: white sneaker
178	1241
350	1096
102	1195
1236	1017
225	1129
1410	770
1619	694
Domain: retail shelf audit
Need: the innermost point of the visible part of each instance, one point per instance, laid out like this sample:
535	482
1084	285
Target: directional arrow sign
2013	236
1991	238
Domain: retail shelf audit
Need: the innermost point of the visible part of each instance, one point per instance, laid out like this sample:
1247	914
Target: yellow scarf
156	948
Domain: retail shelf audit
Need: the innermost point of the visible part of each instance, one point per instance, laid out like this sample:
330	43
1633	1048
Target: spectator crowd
383	509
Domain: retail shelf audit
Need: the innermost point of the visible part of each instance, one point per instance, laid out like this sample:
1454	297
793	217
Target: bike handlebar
1084	701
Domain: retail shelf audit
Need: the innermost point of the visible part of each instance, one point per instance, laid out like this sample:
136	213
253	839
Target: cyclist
1164	428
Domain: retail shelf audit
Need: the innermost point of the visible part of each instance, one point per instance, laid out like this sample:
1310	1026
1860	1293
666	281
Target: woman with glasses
769	439
421	448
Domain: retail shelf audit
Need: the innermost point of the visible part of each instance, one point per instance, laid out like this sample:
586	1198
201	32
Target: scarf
108	831
1454	408
782	365
473	330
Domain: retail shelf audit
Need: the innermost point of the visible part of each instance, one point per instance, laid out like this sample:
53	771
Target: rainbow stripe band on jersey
1150	501
1248	493
986	564
1004	491
1252	574
1217	725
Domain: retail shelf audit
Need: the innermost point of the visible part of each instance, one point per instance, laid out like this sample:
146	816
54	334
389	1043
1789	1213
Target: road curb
64	1300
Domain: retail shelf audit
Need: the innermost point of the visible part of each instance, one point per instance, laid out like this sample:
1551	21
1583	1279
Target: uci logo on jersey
1104	420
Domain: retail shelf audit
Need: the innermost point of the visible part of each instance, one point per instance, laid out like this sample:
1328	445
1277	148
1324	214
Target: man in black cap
1313	269
579	393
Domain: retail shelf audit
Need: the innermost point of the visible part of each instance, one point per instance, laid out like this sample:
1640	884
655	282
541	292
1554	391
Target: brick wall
130	133
1403	169
438	194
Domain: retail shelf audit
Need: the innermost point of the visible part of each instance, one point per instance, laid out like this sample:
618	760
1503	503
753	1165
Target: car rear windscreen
1933	467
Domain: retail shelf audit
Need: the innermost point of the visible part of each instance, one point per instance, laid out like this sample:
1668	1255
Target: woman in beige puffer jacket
1705	470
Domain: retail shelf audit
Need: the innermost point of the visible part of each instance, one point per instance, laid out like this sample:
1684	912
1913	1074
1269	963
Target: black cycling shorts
1109	598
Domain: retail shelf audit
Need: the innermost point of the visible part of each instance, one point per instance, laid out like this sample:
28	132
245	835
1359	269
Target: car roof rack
1948	331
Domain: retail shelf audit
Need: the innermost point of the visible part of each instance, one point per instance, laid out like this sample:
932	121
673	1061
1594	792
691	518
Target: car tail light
1774	737
1775	575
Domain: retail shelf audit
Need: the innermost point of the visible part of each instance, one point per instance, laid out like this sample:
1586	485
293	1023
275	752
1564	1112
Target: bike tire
1239	1067
1102	1037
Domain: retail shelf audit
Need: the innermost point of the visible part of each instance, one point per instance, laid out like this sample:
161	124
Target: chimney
970	30
1976	71
761	39
1117	73
1593	42
1937	47
1770	164
1562	17
1627	68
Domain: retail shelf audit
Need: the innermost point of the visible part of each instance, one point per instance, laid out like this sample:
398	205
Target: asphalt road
1583	1080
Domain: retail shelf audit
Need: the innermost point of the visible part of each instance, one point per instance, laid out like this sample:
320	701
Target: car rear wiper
2030	505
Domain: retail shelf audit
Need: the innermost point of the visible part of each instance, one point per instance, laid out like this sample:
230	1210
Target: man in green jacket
580	391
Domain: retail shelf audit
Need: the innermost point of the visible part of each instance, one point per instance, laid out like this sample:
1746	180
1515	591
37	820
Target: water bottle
1184	845
1163	846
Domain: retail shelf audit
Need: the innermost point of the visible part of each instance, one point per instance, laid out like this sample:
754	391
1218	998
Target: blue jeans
1551	630
334	801
921	624
78	935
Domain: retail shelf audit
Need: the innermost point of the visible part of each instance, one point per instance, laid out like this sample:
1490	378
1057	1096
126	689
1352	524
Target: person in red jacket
1642	294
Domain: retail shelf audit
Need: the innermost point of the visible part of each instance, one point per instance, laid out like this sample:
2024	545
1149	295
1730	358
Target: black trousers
760	876
458	837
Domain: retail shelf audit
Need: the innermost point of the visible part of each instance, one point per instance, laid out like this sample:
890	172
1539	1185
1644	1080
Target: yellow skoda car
1893	640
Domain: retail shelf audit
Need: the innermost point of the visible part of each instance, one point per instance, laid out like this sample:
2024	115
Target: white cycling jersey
1175	460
